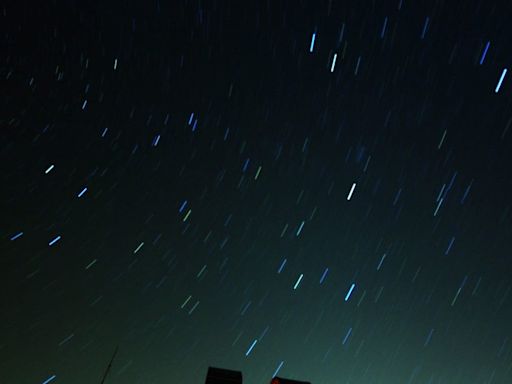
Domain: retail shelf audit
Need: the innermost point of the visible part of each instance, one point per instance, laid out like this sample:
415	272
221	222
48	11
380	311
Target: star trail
318	190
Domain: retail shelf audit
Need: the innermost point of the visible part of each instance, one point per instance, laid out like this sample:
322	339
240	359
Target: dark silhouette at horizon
217	375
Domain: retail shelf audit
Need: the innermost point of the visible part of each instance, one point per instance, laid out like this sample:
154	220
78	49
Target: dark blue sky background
199	184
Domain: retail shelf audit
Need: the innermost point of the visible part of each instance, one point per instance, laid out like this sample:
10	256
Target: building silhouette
226	376
223	376
217	375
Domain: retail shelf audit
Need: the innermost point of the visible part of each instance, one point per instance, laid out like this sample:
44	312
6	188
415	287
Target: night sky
318	190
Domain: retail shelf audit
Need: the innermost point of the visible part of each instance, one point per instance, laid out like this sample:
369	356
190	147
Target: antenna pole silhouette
109	366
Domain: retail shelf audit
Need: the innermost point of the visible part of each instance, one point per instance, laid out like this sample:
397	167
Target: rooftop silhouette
227	376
